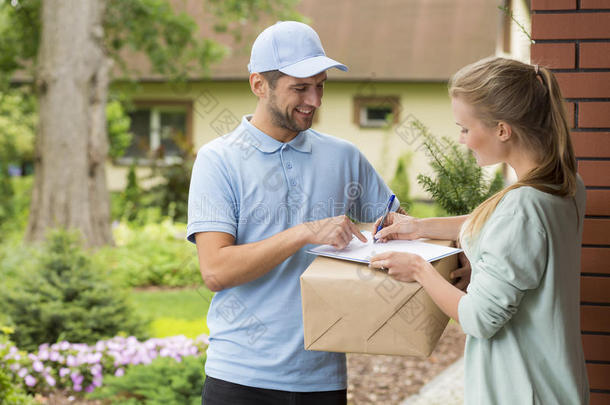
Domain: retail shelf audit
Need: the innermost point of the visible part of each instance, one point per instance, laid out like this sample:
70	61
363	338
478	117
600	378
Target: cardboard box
348	307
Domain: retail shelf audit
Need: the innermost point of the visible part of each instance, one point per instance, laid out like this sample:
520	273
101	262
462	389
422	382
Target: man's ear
258	85
504	131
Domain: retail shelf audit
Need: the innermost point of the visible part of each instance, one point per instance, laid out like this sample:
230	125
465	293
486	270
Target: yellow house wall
219	105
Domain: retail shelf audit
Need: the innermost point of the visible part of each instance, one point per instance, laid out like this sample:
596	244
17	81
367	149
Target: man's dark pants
220	392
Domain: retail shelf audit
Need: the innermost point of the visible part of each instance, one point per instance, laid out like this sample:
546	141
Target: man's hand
461	276
335	231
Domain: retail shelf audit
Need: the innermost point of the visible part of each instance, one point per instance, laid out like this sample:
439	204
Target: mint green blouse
521	311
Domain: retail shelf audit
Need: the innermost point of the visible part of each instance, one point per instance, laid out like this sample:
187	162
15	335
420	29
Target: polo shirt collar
267	144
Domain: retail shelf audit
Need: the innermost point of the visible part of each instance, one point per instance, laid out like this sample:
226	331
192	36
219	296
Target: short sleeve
211	203
512	259
371	192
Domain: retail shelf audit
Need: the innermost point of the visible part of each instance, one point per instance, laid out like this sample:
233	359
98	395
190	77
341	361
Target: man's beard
285	120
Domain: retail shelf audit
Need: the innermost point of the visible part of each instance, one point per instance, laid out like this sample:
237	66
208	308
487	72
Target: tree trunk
71	147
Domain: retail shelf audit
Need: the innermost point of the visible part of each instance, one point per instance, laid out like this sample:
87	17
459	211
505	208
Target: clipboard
361	252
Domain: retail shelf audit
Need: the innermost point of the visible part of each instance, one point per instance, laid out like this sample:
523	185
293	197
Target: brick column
573	39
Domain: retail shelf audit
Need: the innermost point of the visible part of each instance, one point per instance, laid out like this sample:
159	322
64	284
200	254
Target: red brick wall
573	38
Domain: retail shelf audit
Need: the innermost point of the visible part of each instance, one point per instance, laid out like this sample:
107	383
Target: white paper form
357	251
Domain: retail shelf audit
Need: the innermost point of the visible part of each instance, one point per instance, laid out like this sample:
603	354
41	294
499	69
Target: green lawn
175	312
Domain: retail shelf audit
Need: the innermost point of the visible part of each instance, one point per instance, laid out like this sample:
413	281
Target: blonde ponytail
527	98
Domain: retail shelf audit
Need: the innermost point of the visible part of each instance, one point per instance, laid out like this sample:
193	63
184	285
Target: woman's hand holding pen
398	226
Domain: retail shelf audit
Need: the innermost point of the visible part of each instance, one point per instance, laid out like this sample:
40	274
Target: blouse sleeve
513	259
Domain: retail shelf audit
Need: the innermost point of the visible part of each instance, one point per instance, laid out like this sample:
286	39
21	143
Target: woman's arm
398	226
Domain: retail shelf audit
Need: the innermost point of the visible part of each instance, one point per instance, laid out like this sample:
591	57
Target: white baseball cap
292	48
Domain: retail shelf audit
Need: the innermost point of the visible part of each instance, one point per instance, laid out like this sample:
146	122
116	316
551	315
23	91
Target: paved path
447	388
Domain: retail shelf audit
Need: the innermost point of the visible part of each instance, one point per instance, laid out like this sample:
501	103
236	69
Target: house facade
400	56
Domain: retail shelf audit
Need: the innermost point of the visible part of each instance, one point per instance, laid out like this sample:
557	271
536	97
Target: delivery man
260	196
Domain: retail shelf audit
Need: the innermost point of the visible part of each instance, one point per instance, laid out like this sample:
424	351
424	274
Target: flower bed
78	367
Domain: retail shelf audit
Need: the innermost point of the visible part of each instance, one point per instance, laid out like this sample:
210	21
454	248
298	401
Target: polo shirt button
293	182
289	165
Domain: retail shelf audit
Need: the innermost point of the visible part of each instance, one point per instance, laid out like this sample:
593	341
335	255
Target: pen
385	214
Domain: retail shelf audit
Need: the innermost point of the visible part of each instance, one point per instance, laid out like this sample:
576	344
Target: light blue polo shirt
252	186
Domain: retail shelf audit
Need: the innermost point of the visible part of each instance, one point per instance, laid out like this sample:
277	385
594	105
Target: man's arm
224	264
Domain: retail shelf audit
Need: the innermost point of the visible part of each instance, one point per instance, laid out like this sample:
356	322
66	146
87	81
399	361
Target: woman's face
482	140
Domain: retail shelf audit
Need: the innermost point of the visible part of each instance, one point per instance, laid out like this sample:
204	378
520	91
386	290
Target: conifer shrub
459	185
66	297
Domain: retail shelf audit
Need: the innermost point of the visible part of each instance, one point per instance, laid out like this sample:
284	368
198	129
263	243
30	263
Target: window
160	131
376	112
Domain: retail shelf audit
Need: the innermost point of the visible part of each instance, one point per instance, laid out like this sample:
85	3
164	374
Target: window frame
362	102
159	105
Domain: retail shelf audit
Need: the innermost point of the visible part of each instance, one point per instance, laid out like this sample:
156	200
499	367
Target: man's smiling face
293	102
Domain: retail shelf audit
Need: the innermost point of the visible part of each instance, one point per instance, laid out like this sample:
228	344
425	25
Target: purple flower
64	371
54	356
30	381
71	361
77	388
97	380
95	358
120	372
50	381
38	366
90	388
22	372
43	354
77	379
96	369
204	339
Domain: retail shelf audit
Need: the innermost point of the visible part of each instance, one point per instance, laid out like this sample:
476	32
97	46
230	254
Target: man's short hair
272	76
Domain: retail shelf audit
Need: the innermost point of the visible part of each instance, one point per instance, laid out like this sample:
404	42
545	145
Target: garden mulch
388	380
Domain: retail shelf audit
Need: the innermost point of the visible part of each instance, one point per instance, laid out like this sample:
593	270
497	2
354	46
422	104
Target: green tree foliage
118	123
19	36
18	120
11	388
169	38
460	184
17	131
229	14
6	191
162	382
131	196
66	297
171	194
400	183
152	254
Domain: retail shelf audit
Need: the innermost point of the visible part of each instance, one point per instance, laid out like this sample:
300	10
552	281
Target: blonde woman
521	309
